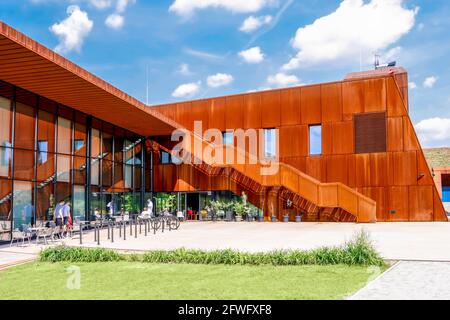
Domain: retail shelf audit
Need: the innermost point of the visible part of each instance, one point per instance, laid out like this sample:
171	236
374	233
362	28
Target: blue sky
198	48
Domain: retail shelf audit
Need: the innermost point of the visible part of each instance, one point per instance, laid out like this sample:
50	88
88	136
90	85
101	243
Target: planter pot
285	218
298	218
229	216
273	219
261	219
238	218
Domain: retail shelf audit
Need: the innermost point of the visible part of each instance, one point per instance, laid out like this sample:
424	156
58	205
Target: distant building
439	162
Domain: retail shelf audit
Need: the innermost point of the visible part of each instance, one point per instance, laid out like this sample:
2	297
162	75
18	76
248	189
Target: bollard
140	226
112	232
81	233
109	233
135	229
120	230
154	226
95	233
145	227
163	222
124	230
131	226
98	235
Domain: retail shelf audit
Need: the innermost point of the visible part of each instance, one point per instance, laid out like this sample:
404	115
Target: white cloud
282	80
122	5
187	90
186	8
254	23
219	80
184	69
115	21
73	30
430	82
356	27
252	55
434	132
101	4
412	85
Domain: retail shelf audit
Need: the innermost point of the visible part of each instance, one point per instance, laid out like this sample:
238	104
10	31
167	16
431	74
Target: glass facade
50	153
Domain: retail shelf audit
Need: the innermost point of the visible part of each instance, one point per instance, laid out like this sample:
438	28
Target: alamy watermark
74	278
246	147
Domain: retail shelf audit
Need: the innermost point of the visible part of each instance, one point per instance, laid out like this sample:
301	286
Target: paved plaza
410	280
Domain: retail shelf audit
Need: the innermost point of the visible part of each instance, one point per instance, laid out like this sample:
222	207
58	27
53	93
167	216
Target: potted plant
228	207
286	217
273	218
298	217
260	215
240	209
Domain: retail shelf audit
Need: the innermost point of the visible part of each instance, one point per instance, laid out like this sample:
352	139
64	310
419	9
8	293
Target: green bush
68	254
358	252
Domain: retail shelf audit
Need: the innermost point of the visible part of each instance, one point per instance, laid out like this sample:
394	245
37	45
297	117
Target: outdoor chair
19	235
44	234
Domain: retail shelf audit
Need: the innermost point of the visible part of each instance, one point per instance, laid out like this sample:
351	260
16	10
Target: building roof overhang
27	64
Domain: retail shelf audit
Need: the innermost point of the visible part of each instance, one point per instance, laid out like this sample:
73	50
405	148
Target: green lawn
129	280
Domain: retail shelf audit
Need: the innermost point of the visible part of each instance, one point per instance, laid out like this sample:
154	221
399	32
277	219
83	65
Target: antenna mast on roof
377	61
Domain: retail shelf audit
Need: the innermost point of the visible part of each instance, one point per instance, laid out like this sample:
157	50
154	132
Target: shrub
359	251
68	254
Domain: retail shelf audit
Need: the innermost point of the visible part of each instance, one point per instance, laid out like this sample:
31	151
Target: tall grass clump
357	252
69	254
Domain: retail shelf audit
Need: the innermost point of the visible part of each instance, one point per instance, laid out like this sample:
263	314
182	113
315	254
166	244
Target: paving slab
410	280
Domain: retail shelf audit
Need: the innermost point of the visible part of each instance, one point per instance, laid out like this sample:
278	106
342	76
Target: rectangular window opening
315	140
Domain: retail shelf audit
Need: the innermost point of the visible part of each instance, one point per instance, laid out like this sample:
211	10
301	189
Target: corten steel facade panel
389	168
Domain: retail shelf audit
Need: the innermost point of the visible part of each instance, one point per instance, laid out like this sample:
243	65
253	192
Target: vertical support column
143	161
13	145
152	176
88	167
36	146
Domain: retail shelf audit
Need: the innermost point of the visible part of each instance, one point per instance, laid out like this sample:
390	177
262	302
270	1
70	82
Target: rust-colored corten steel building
347	150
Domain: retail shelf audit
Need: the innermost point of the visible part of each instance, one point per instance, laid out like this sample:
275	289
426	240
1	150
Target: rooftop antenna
377	61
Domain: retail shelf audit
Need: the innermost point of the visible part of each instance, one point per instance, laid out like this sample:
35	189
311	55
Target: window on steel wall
270	143
228	138
315	140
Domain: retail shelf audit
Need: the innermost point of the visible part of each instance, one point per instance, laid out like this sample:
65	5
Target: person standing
66	216
59	215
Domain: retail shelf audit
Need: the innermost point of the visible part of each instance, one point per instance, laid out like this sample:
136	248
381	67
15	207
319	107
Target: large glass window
5	209
24	165
63	167
5	162
25	127
45	205
5	122
46	132
79	203
46	166
315	140
64	135
22	204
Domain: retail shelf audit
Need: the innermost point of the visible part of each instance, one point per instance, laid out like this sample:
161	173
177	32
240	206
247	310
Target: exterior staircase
317	201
